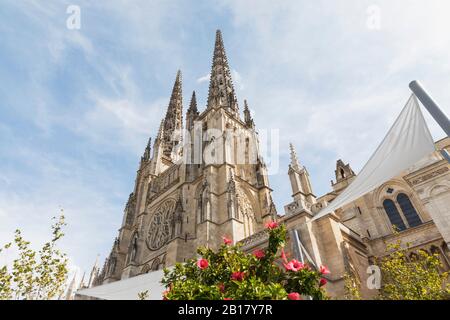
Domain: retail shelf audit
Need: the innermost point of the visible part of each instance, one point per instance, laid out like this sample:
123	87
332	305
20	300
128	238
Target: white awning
128	289
407	142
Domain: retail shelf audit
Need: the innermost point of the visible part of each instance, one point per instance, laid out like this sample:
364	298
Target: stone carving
245	207
161	225
245	212
231	196
204	204
130	209
162	183
134	248
255	239
429	176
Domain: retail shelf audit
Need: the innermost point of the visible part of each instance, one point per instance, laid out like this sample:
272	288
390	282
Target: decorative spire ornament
192	112
173	122
294	159
247	116
221	91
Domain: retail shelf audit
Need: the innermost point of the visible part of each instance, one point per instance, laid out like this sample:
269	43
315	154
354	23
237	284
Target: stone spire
221	91
173	122
300	181
192	112
81	285
147	153
93	274
71	289
294	159
247	116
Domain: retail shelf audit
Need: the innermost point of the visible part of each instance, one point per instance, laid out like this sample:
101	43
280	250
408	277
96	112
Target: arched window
408	210
394	215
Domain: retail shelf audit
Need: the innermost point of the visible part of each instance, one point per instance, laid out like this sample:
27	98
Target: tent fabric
128	289
407	142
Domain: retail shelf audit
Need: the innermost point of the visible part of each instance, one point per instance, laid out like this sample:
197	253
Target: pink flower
227	298
322	282
272	225
294	265
221	287
237	276
294	296
259	254
227	241
202	263
324	270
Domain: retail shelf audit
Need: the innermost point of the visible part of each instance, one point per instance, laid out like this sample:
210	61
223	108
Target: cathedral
204	177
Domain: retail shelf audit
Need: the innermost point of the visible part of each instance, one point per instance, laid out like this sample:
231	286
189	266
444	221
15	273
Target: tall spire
247	116
173	122
192	112
70	290
294	159
221	91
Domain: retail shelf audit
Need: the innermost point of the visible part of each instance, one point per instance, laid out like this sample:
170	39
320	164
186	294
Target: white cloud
204	78
237	79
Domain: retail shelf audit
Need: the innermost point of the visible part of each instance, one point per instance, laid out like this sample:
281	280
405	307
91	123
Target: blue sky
77	106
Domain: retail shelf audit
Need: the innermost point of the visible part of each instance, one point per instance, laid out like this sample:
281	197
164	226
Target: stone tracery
161	230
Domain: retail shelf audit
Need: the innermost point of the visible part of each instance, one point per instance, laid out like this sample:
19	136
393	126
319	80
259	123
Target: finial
294	159
247	116
147	151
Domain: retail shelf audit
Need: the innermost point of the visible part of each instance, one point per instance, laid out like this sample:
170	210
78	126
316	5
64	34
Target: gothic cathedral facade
205	178
180	201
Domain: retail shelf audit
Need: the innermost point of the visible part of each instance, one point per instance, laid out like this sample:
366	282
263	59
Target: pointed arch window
393	214
409	211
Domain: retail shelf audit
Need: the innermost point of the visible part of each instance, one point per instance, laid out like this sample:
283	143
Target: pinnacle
147	151
294	159
193	104
247	116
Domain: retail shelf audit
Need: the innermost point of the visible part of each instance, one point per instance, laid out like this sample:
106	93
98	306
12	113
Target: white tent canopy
407	142
128	289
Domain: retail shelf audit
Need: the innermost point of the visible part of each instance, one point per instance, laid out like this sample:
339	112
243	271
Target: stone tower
198	185
302	193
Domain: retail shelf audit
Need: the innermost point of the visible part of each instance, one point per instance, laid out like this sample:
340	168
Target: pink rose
202	263
294	296
237	276
259	254
322	282
227	241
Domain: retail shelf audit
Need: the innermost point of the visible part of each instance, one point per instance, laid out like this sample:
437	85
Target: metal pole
431	106
445	155
298	247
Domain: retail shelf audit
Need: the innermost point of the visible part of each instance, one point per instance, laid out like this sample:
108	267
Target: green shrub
231	273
